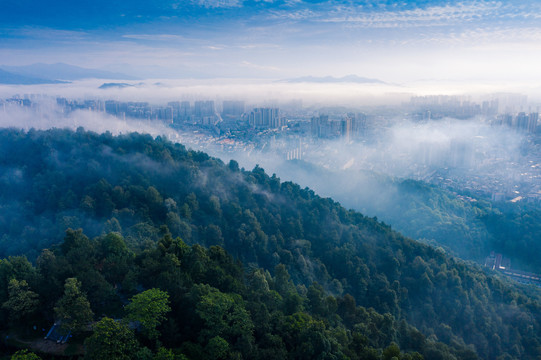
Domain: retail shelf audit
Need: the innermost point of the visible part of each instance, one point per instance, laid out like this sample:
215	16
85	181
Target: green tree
149	309
73	309
111	340
217	348
225	316
22	301
391	352
167	354
24	355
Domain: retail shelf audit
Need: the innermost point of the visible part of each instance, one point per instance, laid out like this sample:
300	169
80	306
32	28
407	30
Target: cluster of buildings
176	113
296	132
499	263
522	121
457	107
351	126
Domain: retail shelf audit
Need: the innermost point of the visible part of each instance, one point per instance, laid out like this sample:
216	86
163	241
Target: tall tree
149	309
22	301
24	355
73	309
111	340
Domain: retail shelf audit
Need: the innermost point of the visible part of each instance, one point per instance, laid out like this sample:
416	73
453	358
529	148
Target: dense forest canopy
242	264
465	224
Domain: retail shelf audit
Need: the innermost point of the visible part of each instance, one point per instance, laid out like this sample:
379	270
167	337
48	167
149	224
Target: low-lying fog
364	175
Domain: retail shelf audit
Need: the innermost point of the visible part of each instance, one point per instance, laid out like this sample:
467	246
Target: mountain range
40	73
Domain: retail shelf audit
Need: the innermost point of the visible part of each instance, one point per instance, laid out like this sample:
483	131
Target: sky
399	42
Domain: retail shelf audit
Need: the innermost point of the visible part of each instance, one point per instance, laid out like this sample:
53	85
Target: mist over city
270	179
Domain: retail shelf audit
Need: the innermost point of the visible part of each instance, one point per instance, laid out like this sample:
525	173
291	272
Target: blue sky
396	41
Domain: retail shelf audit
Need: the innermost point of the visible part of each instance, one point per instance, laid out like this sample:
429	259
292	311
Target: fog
369	174
161	91
463	160
46	114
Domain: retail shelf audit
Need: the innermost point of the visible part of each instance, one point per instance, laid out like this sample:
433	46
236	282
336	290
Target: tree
167	354
73	309
391	352
24	355
22	301
217	348
149	309
111	340
224	316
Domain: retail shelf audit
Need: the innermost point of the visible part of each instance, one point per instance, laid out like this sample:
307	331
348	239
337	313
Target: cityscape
498	160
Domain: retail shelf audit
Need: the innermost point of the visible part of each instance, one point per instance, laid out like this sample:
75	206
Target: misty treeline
459	221
293	275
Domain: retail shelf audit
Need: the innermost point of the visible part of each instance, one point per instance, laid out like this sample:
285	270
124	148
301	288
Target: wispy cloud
155	37
437	15
218	3
259	67
258	46
450	14
43	33
214	47
479	37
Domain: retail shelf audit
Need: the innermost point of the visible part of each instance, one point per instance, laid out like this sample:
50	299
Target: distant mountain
114	85
332	79
64	72
11	78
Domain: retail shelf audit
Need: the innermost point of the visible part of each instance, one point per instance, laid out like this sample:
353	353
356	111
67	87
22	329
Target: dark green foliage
111	340
319	281
73	309
22	302
24	355
148	309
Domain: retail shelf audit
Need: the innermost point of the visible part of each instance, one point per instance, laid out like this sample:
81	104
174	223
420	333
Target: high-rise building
319	126
522	122
346	128
203	108
185	111
265	118
232	110
532	122
315	127
204	112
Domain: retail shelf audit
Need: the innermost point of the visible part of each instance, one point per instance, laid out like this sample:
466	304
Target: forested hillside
465	224
300	276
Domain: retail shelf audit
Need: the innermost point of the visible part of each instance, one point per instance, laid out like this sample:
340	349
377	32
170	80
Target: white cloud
258	46
259	67
155	37
218	3
450	14
41	33
214	47
436	15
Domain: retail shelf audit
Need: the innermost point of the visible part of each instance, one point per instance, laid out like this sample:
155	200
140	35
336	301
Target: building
319	126
204	113
265	118
501	264
232	110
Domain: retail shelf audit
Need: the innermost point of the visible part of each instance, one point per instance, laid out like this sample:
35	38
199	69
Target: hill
64	72
356	285
464	224
11	78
